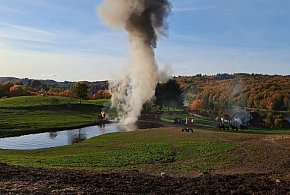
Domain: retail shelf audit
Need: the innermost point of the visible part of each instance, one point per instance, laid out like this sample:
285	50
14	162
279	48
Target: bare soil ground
15	180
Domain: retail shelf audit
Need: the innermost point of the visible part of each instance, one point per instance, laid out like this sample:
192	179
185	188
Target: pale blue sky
65	39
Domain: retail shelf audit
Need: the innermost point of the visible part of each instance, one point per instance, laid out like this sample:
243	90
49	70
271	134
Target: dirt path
14	180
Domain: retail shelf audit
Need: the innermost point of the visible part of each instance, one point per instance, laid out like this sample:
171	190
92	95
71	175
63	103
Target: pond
59	138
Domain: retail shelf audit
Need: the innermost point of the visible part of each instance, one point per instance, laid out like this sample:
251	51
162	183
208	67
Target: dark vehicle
234	127
187	130
223	126
229	125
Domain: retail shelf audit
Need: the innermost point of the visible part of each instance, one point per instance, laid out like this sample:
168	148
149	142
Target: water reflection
60	138
102	126
75	137
68	137
52	135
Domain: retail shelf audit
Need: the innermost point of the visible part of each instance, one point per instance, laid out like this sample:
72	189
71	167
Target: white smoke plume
145	21
165	74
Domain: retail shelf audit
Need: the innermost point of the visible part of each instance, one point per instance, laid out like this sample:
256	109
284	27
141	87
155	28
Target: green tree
34	84
5	89
81	90
277	102
168	94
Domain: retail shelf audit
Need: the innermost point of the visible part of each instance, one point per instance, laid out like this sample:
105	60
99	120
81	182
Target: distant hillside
11	79
94	86
212	94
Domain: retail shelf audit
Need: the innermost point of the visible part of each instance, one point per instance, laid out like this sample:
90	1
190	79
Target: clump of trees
102	94
81	90
8	89
168	95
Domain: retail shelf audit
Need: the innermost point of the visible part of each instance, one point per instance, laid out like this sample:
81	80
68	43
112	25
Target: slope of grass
22	115
36	101
166	149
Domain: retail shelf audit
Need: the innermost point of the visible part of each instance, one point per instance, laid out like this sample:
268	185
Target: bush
281	123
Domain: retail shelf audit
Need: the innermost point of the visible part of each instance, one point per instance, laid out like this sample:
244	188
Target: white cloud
25	28
23	37
16	34
13	37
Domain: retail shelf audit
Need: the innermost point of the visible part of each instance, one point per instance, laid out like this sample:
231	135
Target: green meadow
22	115
155	150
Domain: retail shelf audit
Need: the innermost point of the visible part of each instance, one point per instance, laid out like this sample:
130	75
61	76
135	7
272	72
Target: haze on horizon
65	39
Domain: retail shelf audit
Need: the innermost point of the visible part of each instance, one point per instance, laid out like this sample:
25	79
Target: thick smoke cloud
145	22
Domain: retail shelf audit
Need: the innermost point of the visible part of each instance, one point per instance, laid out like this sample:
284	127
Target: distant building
226	115
189	120
242	118
239	117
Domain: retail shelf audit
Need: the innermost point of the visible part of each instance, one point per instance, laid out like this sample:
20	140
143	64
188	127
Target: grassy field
149	151
159	150
22	115
37	101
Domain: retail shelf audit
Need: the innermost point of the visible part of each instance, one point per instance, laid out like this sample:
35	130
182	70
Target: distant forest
237	90
11	87
268	95
210	95
207	94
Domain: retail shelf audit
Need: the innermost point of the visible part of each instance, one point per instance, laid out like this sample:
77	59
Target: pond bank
57	138
4	134
64	137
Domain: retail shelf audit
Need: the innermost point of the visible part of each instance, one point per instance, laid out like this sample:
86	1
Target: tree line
93	90
210	95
